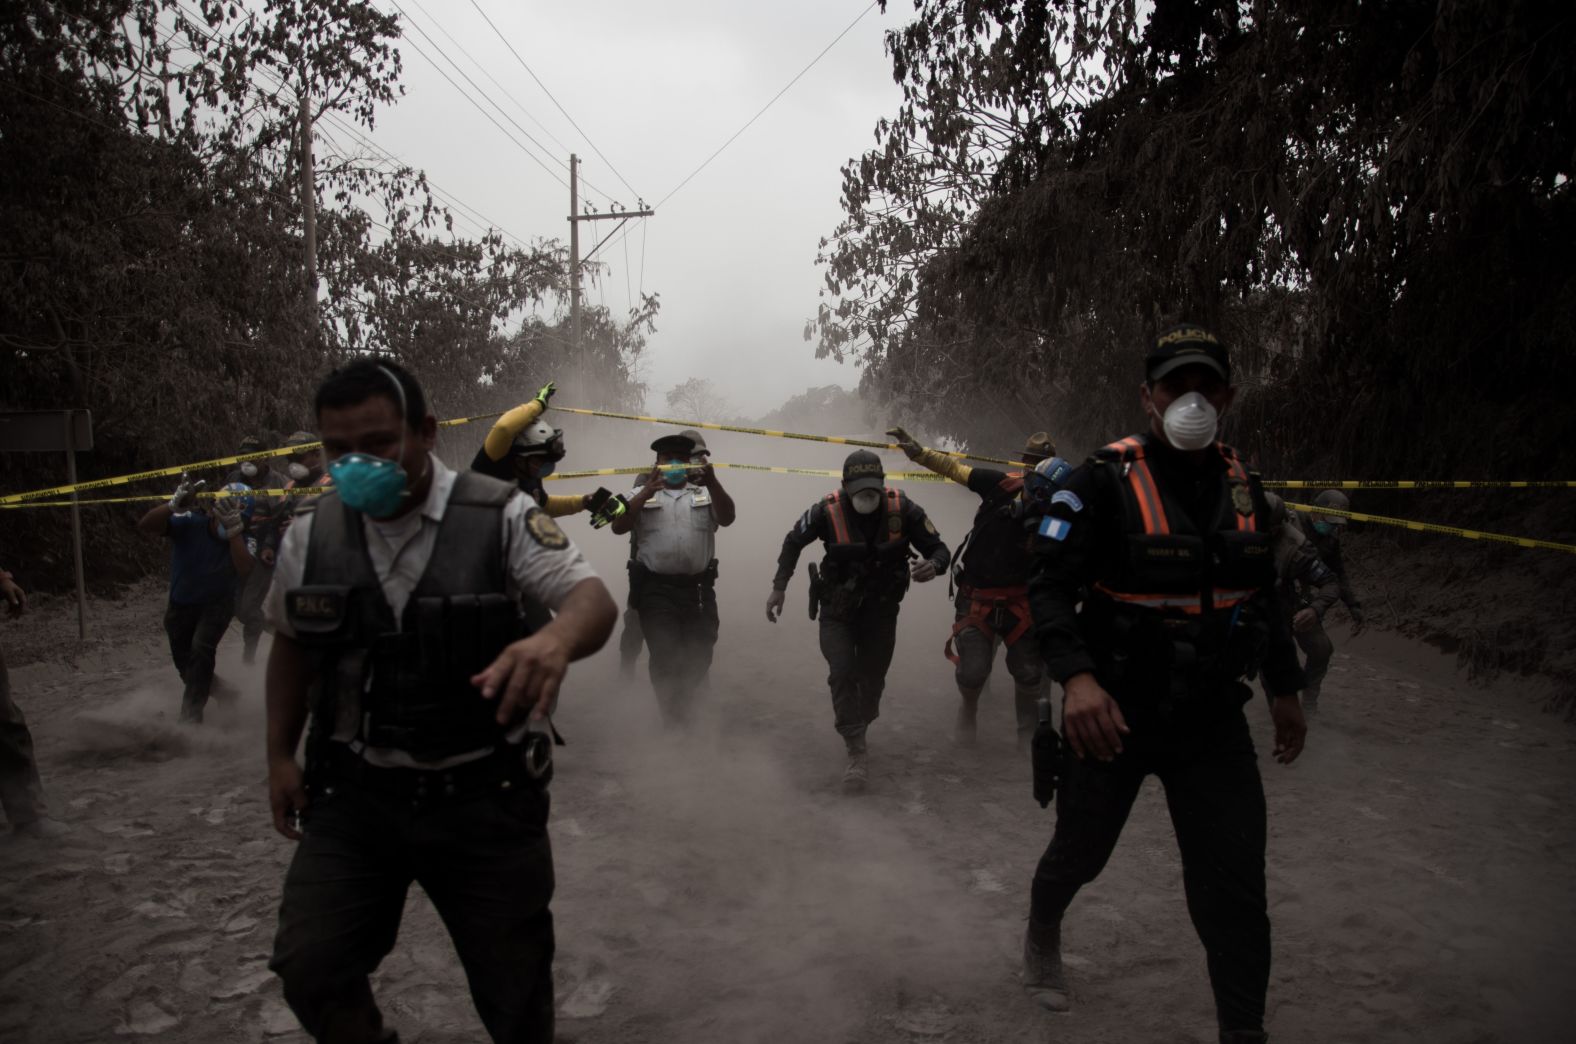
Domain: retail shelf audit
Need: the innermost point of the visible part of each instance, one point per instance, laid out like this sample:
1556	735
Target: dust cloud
716	885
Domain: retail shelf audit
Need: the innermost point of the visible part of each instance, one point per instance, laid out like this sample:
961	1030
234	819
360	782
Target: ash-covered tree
1370	199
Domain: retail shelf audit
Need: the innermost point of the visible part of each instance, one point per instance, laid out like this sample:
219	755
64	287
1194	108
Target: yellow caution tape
1418	484
148	498
201	465
1430	527
834	439
645	469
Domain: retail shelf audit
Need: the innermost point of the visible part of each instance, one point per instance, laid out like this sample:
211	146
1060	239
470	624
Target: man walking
401	610
1154	595
869	533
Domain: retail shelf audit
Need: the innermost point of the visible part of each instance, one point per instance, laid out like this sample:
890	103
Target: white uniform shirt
676	532
400	549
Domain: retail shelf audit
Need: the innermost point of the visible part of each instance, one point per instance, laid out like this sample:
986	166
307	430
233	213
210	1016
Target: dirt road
718	887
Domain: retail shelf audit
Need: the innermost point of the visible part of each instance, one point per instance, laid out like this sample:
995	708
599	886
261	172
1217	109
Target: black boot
1042	966
1244	1037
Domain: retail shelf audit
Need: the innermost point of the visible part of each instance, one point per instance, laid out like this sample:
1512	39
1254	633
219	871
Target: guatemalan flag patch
1055	528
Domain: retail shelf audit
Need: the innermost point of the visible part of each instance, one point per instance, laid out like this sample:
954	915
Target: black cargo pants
194	632
1216	798
857	641
483	859
678	619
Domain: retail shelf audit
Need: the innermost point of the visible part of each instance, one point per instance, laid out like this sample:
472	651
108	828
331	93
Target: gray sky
658	86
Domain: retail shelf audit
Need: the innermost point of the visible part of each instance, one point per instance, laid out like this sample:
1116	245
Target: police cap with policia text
1186	344
863	470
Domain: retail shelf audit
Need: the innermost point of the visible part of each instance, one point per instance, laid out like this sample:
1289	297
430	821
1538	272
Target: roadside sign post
53	431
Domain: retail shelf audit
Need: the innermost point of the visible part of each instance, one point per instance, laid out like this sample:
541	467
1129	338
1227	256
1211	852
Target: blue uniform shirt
200	566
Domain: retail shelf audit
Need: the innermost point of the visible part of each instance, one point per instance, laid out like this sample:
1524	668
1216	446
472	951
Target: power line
543	86
479	107
768	105
476	62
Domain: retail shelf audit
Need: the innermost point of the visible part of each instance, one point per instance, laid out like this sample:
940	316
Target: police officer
993	589
1308	588
631	639
1164	539
410	610
524	449
869	533
261	541
1325	536
673	575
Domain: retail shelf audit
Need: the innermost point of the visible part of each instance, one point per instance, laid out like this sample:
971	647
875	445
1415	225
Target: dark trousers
1211	779
858	644
1319	650
21	793
977	655
249	604
630	640
679	622
194	632
484	861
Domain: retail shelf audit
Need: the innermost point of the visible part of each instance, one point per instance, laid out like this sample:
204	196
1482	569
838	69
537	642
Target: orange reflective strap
1189	604
1150	506
835	511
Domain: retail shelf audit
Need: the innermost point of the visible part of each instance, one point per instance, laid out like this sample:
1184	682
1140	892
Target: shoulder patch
544	530
930	527
1242	499
1054	528
1068	497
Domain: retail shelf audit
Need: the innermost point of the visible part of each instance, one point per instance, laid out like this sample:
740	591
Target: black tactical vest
411	682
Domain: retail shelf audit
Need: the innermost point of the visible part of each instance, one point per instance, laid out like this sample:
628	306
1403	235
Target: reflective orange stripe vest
847	543
1170	567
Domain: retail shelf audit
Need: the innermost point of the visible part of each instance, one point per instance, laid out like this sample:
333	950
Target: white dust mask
866	501
1190	422
249	469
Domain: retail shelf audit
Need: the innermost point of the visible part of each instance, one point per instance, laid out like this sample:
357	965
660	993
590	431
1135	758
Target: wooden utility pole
308	199
575	217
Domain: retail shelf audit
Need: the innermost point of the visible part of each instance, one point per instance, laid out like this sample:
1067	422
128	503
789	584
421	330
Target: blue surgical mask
547	468
1323	528
675	475
371	485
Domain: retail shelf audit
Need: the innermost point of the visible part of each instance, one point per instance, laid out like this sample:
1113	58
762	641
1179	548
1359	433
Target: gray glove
186	494
227	510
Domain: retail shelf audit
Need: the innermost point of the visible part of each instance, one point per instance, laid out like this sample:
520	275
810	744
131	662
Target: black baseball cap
863	470
674	442
1186	344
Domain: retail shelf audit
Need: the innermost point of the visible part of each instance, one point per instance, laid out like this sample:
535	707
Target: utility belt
995	611
842	588
1175	662
641	577
509	765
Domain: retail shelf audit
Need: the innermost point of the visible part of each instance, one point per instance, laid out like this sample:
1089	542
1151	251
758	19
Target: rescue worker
869	532
21	791
524	449
260	539
992	568
1164	540
1308	588
305	470
632	639
397	615
673	575
1325	535
208	563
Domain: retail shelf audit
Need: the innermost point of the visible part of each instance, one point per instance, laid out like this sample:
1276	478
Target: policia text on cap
1163	537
